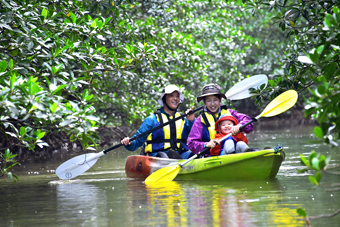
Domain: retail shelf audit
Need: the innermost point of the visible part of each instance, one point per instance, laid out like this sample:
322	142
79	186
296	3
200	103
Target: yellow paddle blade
163	188
280	104
162	175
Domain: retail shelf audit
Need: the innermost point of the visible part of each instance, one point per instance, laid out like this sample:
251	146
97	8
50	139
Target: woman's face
212	103
172	100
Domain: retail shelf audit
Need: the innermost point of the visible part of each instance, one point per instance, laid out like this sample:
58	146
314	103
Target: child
233	144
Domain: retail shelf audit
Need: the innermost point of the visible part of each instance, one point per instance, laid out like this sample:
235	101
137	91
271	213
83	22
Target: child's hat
224	117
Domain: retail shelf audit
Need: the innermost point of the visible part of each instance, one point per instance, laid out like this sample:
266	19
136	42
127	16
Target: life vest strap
165	141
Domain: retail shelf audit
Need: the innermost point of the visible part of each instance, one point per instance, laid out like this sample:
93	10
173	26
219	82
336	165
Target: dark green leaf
318	176
330	70
3	65
321	89
301	212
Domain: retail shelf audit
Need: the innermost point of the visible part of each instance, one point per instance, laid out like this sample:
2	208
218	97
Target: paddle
280	104
80	164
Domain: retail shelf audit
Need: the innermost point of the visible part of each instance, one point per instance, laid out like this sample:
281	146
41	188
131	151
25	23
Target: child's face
225	126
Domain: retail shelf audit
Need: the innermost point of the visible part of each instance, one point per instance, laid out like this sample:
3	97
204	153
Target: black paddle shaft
205	150
153	129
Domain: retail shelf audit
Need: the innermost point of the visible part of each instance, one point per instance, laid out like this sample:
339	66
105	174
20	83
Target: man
171	140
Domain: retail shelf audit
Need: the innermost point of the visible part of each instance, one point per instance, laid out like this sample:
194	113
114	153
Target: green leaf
94	24
100	24
47	81
320	48
329	20
89	97
73	138
53	107
303	170
44	13
313	180
301	212
57	68
10	63
330	70
22	131
311	156
73	18
336	10
41	135
13	79
318	176
107	20
315	163
321	89
33	87
322	162
323	116
318	132
59	88
314	57
3	65
304	160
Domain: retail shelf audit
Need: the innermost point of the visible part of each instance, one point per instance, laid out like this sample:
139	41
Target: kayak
256	165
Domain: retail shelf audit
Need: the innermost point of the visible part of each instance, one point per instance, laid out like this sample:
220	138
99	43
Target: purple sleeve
195	142
242	119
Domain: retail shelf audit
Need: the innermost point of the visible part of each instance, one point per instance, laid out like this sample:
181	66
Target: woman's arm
195	142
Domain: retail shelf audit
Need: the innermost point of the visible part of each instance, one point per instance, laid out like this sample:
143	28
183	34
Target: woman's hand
212	143
190	117
126	141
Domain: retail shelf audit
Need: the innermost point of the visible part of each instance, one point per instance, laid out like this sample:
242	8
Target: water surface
103	196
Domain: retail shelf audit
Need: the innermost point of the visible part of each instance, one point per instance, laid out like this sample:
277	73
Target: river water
103	196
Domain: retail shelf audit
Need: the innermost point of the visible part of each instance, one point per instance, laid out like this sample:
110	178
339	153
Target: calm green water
103	196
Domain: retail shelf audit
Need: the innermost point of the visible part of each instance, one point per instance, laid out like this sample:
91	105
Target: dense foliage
69	67
311	62
55	55
311	58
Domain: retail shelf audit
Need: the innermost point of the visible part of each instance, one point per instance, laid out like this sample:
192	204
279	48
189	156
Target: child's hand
235	129
212	143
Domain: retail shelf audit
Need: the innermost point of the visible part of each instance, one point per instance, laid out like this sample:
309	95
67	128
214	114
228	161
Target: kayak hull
258	165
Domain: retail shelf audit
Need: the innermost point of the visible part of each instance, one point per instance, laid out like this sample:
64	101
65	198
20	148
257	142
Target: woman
203	132
171	140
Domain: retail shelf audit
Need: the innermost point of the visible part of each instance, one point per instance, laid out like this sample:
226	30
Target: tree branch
324	215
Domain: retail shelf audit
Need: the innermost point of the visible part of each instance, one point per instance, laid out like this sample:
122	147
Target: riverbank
60	145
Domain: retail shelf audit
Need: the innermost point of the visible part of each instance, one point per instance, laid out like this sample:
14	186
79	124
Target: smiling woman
203	131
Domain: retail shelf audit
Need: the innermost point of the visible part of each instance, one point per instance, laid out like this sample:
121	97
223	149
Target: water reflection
210	204
104	196
81	202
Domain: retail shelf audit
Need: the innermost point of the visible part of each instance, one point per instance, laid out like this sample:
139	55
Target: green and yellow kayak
257	165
